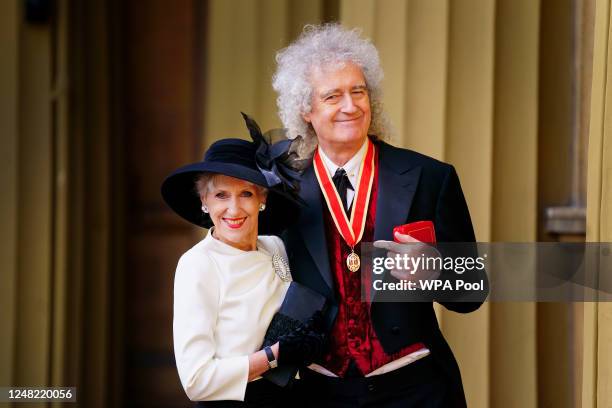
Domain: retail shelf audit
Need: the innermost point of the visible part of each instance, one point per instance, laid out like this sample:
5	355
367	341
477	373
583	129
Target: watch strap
272	363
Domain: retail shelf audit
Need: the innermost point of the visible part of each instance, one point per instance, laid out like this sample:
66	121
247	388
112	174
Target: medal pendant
353	262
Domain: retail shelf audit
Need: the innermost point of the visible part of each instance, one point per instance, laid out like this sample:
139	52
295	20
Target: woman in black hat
229	286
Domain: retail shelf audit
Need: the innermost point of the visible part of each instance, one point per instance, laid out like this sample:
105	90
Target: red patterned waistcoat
353	336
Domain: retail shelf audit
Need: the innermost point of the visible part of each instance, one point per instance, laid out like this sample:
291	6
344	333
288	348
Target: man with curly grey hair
358	188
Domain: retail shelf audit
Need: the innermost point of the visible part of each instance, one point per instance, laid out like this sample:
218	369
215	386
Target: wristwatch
272	363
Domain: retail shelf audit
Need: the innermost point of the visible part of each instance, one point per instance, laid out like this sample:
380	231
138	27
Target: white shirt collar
351	167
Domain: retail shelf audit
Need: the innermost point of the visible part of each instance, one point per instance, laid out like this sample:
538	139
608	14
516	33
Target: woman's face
233	205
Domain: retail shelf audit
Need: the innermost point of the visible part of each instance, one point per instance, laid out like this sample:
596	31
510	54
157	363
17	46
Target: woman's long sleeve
197	296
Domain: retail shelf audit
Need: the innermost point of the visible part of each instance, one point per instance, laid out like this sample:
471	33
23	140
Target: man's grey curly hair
322	46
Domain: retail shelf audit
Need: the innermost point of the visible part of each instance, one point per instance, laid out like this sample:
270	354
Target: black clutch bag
299	305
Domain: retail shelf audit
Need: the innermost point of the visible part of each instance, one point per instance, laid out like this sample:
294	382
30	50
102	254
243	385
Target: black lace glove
304	343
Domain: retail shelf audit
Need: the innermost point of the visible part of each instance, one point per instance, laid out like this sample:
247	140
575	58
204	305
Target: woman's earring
262	206
205	209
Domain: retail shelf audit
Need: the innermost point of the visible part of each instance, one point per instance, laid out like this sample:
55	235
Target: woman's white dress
224	300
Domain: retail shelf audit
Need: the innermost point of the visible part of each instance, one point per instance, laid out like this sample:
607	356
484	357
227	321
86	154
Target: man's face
340	112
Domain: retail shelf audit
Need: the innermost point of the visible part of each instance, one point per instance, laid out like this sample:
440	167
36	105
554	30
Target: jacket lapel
397	183
312	228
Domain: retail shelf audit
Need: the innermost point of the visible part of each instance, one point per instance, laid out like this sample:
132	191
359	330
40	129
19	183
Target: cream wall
597	373
513	328
42	304
240	63
35	207
8	177
27	207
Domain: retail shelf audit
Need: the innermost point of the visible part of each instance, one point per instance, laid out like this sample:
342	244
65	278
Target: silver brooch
281	267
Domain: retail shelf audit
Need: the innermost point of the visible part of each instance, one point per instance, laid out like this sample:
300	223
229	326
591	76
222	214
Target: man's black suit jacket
411	187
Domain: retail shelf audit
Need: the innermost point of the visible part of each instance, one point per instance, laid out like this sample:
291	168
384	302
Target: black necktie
342	183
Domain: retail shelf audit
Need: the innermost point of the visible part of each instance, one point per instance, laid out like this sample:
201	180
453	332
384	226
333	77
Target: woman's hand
301	346
304	344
